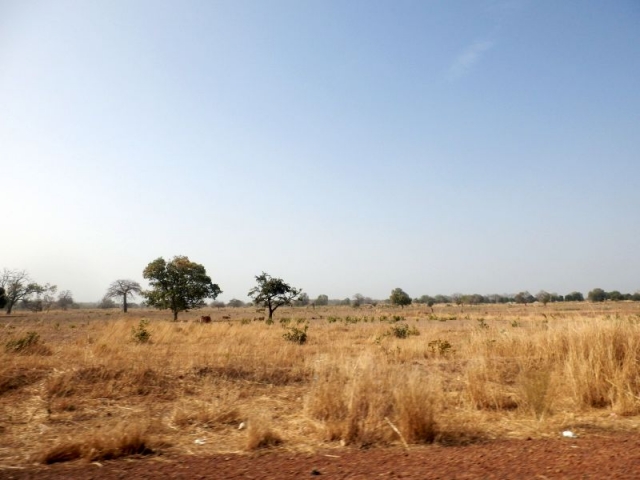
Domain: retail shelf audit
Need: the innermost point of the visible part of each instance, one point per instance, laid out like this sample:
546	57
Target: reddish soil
611	456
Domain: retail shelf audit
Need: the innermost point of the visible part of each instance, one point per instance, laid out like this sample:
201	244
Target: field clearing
77	384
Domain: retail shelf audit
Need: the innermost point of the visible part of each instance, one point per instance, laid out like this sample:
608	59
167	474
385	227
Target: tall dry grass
485	372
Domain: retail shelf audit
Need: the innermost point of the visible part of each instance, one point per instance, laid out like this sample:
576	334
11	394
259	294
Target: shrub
141	334
440	346
296	335
403	330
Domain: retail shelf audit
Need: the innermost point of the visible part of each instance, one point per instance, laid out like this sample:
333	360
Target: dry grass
75	379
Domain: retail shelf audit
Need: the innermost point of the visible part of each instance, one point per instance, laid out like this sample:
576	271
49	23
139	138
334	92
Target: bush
141	334
403	330
296	335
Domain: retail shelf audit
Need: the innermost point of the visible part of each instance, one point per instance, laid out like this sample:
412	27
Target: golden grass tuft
123	441
260	434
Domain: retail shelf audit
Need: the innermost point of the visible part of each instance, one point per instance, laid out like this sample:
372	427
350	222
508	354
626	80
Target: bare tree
65	299
124	289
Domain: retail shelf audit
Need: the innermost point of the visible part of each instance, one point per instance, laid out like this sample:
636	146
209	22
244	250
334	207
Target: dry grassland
78	384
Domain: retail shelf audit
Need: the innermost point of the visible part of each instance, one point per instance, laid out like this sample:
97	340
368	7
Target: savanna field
100	384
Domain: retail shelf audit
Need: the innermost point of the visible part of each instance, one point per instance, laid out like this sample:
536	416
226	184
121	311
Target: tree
615	296
302	300
543	297
19	287
107	302
44	298
322	300
272	293
597	295
3	298
574	297
125	289
65	299
399	297
179	285
235	303
524	297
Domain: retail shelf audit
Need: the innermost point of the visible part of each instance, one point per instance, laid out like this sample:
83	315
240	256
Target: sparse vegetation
241	384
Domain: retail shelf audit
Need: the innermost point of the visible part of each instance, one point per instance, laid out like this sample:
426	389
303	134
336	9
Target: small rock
199	441
569	434
241	426
315	472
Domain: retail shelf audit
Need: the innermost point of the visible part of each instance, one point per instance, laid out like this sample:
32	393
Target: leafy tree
272	293
302	300
235	303
217	304
574	297
322	300
615	296
178	285
543	297
65	299
125	289
442	299
597	295
399	297
524	297
18	287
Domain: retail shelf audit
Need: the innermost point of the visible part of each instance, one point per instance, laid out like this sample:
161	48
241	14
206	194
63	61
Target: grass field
100	384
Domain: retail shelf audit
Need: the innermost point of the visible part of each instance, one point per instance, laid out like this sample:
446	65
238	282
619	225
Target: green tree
273	293
127	289
400	297
19	287
574	297
597	295
235	303
543	297
615	296
302	300
322	300
524	297
179	285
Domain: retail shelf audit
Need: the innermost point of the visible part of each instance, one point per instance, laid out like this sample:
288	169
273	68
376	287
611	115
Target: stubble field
81	385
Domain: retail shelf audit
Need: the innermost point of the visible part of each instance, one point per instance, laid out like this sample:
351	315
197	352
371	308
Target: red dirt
593	457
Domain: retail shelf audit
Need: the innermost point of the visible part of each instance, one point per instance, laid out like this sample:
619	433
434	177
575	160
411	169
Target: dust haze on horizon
347	147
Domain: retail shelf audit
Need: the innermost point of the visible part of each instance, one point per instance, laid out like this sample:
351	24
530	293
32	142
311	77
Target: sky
439	146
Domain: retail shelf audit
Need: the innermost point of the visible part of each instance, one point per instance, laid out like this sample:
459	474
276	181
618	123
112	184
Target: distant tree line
181	285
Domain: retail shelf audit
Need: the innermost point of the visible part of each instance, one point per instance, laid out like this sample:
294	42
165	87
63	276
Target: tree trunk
175	315
124	302
9	307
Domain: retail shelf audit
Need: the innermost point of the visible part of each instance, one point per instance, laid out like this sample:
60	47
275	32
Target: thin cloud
468	59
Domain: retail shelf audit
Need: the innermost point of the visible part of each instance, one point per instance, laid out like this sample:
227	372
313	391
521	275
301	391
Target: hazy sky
479	146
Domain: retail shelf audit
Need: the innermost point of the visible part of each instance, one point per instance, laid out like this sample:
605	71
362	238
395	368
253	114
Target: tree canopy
178	285
272	293
400	297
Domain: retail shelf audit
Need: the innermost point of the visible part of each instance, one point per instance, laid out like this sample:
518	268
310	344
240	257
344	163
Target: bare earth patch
594	457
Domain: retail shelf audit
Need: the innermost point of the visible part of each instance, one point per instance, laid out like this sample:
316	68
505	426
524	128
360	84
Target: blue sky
346	146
